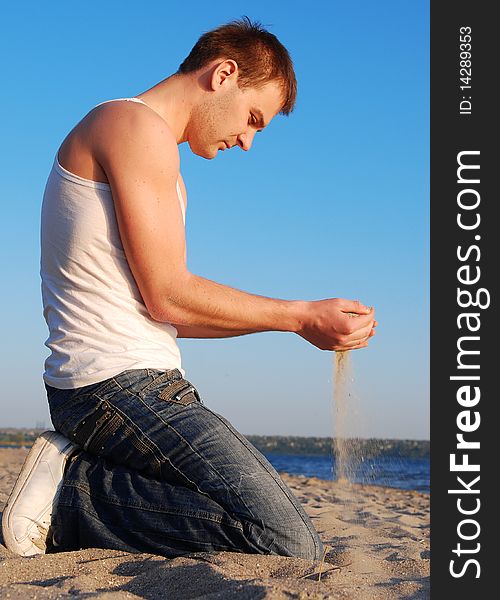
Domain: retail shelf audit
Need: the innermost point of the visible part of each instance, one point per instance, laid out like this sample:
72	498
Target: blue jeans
159	472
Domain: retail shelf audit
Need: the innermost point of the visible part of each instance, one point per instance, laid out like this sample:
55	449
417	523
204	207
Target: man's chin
212	153
208	153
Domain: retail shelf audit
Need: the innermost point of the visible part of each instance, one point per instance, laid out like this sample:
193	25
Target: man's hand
338	324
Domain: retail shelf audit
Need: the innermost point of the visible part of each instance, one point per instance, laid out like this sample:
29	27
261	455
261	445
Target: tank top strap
181	201
122	100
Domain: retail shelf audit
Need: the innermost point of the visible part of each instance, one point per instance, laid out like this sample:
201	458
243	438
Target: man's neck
173	99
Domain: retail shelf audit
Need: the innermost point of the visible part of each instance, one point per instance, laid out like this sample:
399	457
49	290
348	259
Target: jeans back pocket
180	392
96	428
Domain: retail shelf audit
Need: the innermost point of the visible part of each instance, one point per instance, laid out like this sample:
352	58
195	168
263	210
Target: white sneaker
27	515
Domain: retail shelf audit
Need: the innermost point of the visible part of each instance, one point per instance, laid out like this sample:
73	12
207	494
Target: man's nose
245	140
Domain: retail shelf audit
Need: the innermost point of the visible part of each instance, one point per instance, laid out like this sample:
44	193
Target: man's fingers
355	306
355	343
359	321
359	337
360	334
357	346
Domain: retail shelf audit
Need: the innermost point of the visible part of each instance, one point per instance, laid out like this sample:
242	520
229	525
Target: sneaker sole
26	547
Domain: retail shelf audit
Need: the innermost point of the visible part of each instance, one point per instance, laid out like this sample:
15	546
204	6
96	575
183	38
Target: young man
150	467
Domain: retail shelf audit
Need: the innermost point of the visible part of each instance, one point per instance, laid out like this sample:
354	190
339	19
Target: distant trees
314	446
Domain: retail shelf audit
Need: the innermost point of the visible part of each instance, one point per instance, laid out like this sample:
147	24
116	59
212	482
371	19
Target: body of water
397	472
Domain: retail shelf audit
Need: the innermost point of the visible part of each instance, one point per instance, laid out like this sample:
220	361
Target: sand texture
377	548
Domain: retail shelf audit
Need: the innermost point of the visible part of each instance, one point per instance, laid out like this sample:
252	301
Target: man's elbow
168	304
158	312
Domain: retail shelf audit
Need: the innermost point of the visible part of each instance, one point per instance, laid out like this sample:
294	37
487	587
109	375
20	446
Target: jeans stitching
189	445
64	425
153	452
103	434
101	388
282	486
170	375
213	546
152	508
166	458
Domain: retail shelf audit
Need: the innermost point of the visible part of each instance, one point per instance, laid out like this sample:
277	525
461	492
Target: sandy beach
377	543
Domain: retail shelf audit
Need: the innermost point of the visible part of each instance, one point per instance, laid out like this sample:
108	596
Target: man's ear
224	72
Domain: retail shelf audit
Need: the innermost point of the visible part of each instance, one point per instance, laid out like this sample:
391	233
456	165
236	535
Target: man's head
260	56
248	78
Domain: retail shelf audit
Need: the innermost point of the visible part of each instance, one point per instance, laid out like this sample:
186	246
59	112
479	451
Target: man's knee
298	539
306	544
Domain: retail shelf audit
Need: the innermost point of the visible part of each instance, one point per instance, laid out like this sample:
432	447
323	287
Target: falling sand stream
349	547
347	451
344	448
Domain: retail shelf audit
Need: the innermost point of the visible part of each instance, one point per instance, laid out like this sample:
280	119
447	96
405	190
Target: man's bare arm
139	155
186	331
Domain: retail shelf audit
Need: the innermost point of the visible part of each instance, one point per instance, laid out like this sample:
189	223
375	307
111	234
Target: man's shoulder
117	120
115	129
133	130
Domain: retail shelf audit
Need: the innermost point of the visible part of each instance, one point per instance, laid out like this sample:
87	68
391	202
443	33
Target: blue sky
332	201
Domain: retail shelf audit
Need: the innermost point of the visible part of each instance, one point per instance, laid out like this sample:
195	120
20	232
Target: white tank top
98	323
